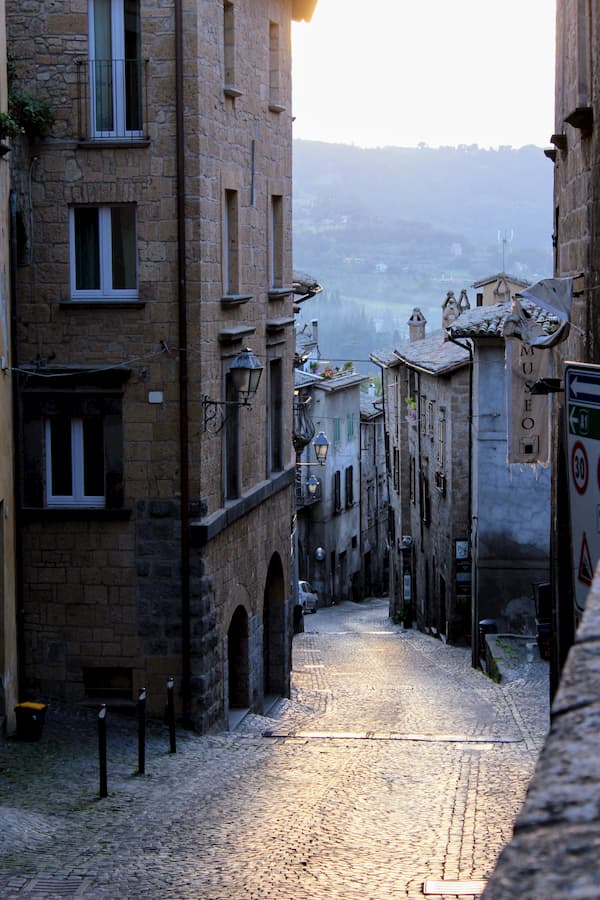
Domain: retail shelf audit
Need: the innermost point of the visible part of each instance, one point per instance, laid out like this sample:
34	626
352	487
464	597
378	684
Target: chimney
315	330
416	325
371	391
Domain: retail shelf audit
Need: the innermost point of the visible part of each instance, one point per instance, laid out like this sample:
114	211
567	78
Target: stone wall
555	849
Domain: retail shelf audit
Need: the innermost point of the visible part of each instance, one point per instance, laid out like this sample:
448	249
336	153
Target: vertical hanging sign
528	419
582	416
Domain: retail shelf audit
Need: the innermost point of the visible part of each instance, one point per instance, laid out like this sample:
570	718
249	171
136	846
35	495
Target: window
74	461
337	491
441	442
337	430
276	236
425	499
229	47
350	425
231	263
72	440
115	68
413	480
103	253
430	417
276	415
349	478
274	73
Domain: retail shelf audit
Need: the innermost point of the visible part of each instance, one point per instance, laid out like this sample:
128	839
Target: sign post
582	414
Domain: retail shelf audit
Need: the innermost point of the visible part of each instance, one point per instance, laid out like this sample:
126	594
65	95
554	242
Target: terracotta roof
433	354
488	321
302	10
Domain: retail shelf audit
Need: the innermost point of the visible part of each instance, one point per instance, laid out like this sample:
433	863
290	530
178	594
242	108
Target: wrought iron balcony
113	99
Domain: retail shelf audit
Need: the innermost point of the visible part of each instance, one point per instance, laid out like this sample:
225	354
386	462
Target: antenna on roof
506	240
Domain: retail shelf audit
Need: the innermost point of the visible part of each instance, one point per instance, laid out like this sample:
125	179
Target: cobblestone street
394	762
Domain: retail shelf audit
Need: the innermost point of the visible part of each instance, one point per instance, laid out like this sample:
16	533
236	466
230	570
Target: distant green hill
388	229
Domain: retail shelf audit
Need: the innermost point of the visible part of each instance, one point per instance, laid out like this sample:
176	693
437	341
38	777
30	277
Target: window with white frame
103	253
115	68
74	461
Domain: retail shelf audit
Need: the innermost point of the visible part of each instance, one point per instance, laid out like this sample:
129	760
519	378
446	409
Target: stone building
154	245
497	289
373	497
461	474
426	396
329	523
510	489
576	155
8	581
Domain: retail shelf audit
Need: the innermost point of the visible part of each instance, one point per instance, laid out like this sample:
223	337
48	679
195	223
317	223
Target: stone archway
274	630
238	663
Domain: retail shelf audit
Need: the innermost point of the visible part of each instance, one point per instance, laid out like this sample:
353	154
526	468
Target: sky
377	73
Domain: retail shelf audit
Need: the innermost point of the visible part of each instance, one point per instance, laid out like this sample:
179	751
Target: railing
113	99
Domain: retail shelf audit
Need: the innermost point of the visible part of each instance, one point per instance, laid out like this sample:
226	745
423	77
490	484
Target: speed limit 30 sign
582	414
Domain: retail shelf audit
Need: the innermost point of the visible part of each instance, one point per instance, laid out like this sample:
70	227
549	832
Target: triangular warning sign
586	570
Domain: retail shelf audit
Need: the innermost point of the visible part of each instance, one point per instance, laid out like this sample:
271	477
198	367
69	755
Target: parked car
307	598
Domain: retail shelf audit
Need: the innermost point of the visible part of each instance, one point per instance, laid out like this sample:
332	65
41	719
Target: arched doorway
238	668
274	630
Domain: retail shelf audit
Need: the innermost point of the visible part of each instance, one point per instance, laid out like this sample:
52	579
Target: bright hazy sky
445	72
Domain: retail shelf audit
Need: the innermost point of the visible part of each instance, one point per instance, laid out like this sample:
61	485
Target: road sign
582	415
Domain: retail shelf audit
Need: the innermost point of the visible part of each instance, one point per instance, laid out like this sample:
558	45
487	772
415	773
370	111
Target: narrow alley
393	764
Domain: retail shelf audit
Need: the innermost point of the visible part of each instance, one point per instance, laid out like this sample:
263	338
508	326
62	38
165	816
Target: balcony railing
113	99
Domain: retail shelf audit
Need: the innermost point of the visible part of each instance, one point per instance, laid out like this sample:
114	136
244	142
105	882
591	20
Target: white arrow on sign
573	419
589	388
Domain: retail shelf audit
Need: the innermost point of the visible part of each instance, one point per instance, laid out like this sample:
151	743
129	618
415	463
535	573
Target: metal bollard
171	713
102	749
141	713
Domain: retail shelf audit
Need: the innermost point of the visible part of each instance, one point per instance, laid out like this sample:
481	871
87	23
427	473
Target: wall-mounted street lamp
245	372
312	483
321	448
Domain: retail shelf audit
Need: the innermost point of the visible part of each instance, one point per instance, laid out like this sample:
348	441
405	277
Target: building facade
373	497
510	505
426	395
576	153
329	524
154	228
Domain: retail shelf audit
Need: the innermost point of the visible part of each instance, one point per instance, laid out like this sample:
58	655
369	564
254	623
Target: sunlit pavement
394	763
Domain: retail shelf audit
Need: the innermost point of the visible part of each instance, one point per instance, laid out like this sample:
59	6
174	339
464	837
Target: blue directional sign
583	386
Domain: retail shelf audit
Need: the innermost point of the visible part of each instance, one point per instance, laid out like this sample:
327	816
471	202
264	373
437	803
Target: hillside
388	229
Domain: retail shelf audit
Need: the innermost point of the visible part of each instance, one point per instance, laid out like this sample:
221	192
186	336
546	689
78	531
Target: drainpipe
17	418
474	603
183	373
